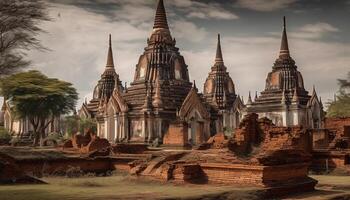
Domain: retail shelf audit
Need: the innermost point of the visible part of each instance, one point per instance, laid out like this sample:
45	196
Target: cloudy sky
318	33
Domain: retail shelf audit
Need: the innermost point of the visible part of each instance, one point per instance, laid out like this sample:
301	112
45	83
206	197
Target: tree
39	98
87	124
71	125
19	20
340	107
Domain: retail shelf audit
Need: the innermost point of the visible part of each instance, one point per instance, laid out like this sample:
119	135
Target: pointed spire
125	89
249	102
218	57
321	104
160	20
256	96
110	63
284	51
313	90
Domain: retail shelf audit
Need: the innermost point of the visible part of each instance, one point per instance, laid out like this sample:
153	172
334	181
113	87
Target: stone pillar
295	118
284	118
144	130
125	125
105	130
150	132
116	132
122	128
159	129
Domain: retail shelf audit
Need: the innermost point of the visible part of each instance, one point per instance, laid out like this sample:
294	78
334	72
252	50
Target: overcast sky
318	32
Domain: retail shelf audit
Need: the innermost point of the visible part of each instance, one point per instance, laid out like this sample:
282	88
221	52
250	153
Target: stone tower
219	89
161	83
284	100
219	92
104	88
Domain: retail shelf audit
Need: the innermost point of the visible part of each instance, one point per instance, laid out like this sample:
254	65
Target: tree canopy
34	95
340	107
19	20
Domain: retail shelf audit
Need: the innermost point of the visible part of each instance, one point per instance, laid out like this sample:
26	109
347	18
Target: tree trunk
36	139
35	124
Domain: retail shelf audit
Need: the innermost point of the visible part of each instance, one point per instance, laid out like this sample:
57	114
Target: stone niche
177	134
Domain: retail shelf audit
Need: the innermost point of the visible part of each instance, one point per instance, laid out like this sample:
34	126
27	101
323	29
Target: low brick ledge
250	167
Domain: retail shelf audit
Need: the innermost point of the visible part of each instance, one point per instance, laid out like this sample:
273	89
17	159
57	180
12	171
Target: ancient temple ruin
285	100
162	105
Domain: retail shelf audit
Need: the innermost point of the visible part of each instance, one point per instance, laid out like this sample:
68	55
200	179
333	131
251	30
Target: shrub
4	134
87	124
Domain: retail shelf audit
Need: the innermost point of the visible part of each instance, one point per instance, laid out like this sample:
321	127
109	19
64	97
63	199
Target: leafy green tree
340	107
71	125
19	28
88	124
39	98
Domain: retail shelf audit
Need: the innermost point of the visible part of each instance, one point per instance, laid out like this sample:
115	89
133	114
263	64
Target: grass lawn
115	187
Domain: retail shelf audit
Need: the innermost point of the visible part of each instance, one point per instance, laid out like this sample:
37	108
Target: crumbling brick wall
248	134
265	135
339	130
287	138
341	126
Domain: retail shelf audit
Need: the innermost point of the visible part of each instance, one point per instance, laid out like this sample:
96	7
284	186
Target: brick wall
177	134
252	175
339	125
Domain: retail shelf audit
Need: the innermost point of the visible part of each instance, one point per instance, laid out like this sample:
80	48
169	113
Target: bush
54	136
4	134
71	124
88	124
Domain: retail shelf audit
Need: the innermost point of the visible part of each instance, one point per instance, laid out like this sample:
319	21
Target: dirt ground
125	187
112	187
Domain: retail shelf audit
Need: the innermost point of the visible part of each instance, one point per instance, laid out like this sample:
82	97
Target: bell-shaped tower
161	81
104	88
219	90
284	99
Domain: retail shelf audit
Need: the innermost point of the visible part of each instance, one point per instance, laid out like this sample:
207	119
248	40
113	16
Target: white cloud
188	31
314	31
79	47
196	9
134	14
265	5
78	40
